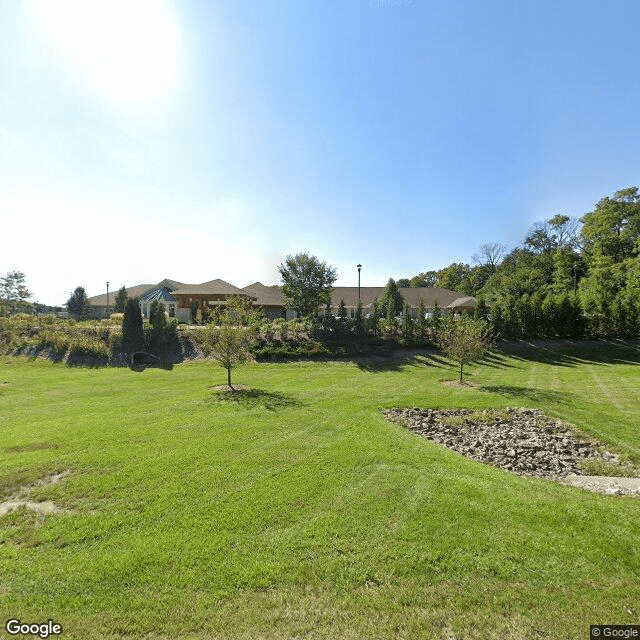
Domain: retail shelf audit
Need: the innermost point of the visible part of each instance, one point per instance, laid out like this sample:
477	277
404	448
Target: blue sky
195	139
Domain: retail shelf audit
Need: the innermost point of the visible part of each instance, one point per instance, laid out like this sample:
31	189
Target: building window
172	310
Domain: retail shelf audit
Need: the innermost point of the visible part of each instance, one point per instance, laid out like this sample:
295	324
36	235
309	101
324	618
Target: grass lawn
294	510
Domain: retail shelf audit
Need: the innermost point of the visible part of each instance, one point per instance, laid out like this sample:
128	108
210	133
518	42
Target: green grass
294	510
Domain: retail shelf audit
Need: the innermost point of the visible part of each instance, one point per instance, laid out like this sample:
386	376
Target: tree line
569	277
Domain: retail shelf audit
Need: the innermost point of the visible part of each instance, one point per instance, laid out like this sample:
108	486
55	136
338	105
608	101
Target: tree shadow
250	398
528	393
572	353
400	361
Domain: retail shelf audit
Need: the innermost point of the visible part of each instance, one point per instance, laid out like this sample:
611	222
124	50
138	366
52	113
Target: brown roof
466	301
411	294
132	292
213	287
266	296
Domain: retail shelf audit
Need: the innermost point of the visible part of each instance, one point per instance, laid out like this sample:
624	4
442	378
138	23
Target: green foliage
391	300
230	346
465	340
307	283
78	304
457	277
13	290
121	300
612	229
133	337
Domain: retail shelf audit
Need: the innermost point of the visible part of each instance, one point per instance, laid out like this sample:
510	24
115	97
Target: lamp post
107	298
359	267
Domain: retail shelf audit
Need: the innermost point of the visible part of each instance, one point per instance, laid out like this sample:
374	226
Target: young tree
465	340
133	339
230	346
78	304
121	300
307	283
407	322
359	320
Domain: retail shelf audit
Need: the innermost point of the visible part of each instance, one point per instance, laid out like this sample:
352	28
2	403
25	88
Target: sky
200	139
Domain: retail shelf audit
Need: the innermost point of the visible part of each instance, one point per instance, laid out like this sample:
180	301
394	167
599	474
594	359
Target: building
184	301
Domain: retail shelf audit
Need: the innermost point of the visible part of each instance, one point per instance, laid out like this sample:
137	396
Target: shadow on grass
249	398
400	361
528	393
571	353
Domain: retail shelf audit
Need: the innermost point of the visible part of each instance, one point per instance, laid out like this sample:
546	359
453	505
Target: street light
107	298
359	267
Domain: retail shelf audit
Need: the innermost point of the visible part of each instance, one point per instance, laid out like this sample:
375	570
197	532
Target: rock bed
523	441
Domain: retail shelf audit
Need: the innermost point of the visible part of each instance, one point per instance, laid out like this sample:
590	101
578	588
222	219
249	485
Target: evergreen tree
392	299
121	300
78	304
159	334
133	338
359	320
407	323
422	323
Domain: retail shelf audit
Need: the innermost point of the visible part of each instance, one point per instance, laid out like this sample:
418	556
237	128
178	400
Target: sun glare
127	49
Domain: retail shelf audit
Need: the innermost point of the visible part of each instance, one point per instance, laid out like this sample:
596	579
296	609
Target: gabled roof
132	292
266	296
212	287
411	294
467	301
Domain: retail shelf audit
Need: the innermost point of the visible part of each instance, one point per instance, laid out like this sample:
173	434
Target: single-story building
179	298
447	301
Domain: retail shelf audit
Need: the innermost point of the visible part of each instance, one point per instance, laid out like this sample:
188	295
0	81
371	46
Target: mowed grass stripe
300	510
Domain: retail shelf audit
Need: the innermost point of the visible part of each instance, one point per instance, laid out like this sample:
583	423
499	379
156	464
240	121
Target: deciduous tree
465	340
307	283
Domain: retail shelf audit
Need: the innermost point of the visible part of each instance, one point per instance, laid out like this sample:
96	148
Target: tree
426	279
407	322
456	277
133	339
121	300
612	229
158	337
392	300
230	346
13	289
307	283
490	254
465	340
78	304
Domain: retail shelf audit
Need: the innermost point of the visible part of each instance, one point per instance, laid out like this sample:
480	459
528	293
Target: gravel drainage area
526	442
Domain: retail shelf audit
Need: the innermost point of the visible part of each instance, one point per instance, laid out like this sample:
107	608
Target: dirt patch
19	500
38	507
460	385
226	387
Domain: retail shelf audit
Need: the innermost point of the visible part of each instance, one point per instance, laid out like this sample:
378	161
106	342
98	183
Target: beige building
179	299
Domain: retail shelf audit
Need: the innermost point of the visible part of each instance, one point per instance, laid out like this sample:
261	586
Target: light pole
107	298
359	267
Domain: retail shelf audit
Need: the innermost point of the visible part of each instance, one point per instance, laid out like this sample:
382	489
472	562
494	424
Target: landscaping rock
527	442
